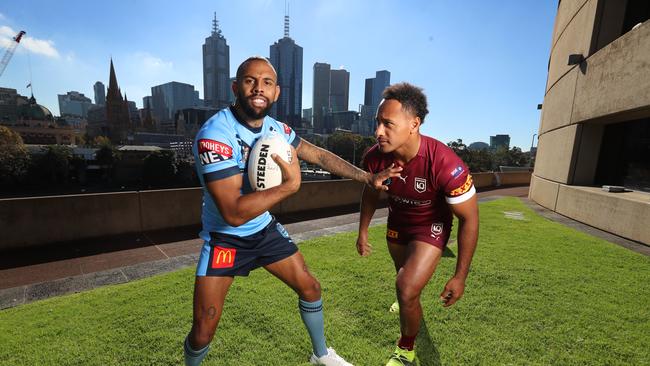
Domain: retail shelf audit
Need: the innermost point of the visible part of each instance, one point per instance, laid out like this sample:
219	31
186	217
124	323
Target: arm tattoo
330	162
338	166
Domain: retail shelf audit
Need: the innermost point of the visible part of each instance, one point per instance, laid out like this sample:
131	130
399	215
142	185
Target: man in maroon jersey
434	185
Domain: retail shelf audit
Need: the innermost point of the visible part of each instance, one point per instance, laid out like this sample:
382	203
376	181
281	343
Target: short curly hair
242	67
412	98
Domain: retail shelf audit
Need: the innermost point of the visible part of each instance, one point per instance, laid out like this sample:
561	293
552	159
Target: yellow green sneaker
394	308
402	357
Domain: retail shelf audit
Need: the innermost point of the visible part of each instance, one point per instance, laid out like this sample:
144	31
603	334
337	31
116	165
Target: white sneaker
330	359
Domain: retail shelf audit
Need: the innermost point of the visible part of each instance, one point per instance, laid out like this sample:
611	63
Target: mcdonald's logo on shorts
392	234
223	257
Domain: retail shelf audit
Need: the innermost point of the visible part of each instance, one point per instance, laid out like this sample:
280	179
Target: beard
250	111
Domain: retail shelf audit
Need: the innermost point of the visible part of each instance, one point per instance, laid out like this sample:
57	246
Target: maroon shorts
436	234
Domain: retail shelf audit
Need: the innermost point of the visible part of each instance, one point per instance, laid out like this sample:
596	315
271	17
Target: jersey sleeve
216	152
369	160
289	134
455	180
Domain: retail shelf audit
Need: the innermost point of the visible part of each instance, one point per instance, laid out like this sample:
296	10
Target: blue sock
192	357
312	315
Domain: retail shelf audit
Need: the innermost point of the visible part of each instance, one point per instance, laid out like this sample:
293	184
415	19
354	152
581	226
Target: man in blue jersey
239	233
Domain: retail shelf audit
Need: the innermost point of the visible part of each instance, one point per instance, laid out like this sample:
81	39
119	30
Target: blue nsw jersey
221	150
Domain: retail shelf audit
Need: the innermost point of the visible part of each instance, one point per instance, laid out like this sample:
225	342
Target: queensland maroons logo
436	229
420	184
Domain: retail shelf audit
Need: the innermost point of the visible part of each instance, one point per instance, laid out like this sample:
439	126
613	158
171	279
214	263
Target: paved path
36	274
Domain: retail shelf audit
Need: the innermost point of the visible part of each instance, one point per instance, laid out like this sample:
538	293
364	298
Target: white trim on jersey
462	198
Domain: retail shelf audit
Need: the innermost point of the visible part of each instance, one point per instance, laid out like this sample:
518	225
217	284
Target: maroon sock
406	342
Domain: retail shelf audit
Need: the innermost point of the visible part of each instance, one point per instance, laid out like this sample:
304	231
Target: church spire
113	88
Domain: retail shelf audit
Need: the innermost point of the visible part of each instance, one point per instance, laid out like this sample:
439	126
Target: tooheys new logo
211	151
261	165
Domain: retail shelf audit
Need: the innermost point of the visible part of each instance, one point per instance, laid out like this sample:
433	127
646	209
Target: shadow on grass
427	352
448	253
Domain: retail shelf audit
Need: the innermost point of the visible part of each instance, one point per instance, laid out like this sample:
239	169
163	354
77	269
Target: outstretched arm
467	213
334	164
369	200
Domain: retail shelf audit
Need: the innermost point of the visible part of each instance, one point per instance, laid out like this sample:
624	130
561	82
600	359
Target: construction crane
10	51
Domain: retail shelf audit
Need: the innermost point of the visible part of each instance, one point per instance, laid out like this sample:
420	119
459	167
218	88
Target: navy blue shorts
230	255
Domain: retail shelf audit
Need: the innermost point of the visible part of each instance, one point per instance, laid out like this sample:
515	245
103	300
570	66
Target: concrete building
343	120
169	98
216	68
307	117
500	141
286	57
331	94
74	103
8	105
595	122
100	93
339	90
321	94
36	125
372	97
375	87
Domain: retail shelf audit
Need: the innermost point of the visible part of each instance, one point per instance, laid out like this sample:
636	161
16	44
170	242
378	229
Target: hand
377	180
363	247
290	171
453	291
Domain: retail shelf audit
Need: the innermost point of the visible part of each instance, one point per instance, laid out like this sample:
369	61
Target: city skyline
483	66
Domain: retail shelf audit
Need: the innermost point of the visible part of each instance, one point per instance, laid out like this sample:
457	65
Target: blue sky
483	64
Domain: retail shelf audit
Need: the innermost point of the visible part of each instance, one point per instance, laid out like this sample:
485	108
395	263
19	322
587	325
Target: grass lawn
539	293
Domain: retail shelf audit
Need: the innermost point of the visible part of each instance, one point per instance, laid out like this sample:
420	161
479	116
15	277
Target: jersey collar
243	123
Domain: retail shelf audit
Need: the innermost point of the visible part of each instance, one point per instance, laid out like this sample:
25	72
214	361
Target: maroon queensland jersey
433	179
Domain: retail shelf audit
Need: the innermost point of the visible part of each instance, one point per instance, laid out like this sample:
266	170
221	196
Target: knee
406	292
310	291
201	334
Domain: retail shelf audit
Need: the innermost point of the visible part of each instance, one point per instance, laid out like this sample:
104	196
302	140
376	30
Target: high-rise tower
286	57
216	68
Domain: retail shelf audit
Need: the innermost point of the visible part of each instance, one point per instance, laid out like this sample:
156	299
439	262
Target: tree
52	167
100	141
512	157
343	144
159	168
14	157
365	143
107	156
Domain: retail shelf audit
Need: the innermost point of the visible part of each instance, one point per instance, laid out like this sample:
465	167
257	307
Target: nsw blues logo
282	230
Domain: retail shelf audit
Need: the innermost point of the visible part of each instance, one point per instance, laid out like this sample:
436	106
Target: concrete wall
611	85
30	221
624	214
26	222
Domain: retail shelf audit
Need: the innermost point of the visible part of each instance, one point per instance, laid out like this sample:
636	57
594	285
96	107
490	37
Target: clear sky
483	64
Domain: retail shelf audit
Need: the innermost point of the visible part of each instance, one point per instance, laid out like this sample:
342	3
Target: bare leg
420	264
209	296
294	272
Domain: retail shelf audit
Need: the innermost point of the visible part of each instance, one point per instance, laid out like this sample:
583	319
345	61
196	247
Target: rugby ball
263	172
